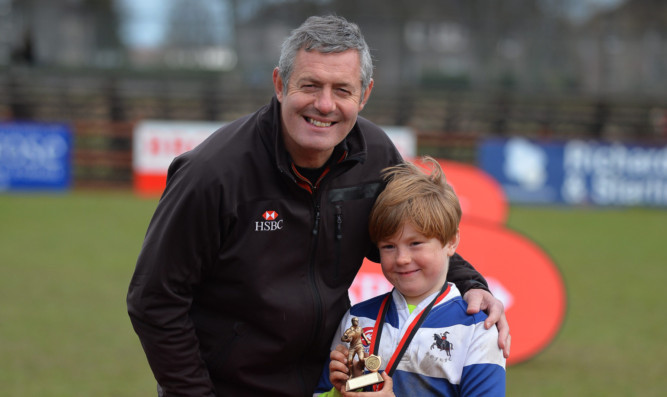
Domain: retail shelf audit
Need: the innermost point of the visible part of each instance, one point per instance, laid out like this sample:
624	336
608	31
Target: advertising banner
35	156
577	172
156	143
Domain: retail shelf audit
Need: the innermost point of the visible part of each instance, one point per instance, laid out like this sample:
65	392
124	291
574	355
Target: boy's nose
403	257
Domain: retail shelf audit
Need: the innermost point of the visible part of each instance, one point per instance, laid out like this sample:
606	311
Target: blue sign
35	156
577	172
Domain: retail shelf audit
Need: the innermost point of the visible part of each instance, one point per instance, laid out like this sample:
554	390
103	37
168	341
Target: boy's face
416	265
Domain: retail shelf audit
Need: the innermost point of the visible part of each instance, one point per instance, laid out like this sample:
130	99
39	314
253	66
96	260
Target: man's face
321	103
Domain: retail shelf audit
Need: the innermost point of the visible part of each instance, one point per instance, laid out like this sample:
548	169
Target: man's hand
479	299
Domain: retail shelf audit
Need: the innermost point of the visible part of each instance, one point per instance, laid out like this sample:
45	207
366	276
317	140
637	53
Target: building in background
533	46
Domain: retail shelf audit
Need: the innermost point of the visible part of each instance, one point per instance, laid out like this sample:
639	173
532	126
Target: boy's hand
387	389
339	372
479	299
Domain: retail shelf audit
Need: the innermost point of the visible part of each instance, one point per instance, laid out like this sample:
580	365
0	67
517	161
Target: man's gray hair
326	34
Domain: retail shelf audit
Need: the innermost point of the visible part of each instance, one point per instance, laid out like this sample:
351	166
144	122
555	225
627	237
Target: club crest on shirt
443	344
368	331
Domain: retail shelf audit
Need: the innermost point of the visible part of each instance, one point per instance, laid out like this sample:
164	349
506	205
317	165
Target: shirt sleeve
484	368
331	393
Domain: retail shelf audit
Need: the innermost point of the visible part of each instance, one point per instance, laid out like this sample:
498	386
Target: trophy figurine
355	337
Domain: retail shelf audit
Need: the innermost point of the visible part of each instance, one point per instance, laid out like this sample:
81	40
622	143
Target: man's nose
324	102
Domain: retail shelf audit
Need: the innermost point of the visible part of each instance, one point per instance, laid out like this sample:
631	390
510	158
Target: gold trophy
354	336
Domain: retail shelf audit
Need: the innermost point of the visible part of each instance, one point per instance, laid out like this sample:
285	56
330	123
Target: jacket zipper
339	240
316	226
317	298
313	190
311	270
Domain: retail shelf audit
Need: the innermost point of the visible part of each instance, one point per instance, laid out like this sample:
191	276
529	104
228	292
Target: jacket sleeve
181	239
464	275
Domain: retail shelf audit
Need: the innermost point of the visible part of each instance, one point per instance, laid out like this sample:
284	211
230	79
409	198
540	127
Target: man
243	274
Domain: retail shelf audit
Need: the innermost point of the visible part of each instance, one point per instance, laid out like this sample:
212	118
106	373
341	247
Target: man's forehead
315	65
330	55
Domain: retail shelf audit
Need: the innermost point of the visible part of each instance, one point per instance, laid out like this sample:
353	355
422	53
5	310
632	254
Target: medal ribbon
407	336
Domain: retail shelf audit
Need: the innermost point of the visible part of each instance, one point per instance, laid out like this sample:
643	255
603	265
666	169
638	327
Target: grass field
66	260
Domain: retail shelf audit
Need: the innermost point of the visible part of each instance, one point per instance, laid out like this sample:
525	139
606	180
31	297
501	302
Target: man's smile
318	123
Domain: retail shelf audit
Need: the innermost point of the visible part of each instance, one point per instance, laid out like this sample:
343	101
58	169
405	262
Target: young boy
427	342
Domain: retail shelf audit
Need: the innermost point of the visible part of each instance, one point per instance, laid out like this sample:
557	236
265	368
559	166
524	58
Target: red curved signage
518	271
481	197
521	275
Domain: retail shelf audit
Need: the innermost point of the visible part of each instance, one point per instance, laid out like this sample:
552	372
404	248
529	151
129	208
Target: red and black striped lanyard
409	333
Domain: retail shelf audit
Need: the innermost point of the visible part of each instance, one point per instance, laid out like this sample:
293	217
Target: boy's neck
414	302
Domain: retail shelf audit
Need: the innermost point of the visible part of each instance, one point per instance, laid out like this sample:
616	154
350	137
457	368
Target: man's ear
367	94
453	244
278	84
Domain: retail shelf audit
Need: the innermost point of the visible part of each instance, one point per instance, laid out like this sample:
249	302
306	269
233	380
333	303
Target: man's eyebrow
313	80
309	78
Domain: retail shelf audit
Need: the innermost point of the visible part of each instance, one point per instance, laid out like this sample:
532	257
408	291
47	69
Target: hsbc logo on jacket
270	222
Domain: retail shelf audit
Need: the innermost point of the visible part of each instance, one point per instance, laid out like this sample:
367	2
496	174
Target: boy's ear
453	244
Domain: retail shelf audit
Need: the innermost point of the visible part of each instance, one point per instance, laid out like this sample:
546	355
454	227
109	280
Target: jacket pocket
350	207
220	355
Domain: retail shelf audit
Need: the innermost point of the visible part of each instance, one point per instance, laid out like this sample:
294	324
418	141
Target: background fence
103	108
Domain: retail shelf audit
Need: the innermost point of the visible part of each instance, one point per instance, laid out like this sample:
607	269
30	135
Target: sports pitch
66	260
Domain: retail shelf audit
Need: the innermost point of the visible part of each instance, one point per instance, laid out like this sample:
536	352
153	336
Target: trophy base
363	381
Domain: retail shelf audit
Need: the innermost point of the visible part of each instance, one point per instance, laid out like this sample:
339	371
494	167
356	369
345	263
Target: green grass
614	264
66	261
65	264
